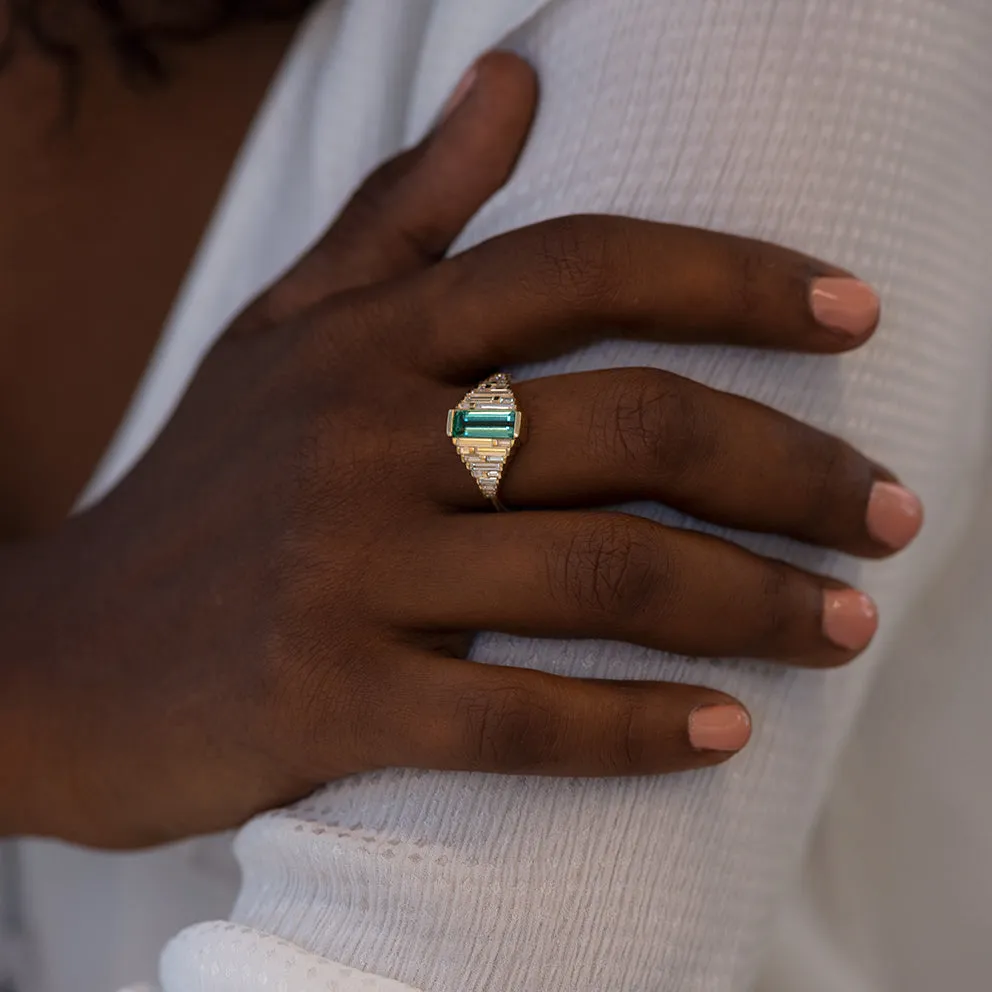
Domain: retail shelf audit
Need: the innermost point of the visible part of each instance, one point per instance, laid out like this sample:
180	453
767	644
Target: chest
101	217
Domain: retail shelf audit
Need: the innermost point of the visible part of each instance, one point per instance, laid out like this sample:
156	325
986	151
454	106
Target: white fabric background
857	131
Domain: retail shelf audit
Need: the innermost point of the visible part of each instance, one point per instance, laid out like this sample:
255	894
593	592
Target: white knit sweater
857	130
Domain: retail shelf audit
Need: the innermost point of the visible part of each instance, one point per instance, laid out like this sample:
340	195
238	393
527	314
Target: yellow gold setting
484	429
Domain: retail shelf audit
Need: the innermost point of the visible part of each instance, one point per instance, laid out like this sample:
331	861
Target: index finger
549	288
406	214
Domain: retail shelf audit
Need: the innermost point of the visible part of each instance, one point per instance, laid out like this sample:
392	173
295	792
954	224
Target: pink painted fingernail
843	304
850	618
719	728
895	515
459	93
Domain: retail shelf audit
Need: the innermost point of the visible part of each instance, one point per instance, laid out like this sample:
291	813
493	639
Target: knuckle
775	618
608	568
654	420
359	332
629	746
510	729
747	274
306	697
577	260
827	480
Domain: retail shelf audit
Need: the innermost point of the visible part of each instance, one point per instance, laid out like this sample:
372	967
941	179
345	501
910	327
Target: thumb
407	213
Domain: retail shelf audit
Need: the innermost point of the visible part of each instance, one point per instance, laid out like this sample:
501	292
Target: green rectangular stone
483	423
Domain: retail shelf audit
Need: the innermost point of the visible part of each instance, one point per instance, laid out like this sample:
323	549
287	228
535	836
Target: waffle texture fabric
844	850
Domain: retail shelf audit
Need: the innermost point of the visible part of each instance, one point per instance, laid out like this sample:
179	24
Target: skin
99	224
236	623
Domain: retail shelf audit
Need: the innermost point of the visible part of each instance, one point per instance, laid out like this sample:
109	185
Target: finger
620	577
407	213
598	438
548	288
462	716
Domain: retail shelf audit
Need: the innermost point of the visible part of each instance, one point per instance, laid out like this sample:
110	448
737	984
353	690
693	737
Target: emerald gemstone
483	423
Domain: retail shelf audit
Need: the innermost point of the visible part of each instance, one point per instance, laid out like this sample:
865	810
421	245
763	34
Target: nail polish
895	515
850	618
847	305
719	728
459	93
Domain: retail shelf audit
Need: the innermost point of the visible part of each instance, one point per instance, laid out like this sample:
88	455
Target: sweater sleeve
847	131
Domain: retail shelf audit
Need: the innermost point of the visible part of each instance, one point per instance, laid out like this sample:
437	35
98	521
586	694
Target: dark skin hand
284	589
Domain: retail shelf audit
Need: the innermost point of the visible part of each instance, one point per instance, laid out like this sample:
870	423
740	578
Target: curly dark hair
135	40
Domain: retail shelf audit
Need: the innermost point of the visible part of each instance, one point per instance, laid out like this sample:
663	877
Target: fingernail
461	91
719	728
846	305
850	618
895	515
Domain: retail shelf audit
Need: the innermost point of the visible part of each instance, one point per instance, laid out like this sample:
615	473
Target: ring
484	429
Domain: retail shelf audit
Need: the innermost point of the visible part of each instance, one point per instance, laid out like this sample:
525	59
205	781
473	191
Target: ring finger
597	438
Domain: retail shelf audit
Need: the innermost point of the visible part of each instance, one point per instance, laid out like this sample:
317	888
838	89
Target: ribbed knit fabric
858	131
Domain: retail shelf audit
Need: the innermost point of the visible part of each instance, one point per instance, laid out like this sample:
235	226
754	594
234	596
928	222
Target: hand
283	590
